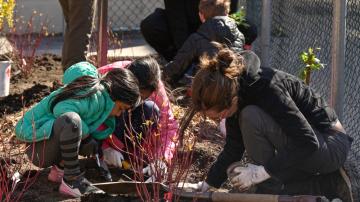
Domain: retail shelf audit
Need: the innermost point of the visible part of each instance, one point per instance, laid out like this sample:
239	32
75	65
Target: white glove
244	177
222	127
154	170
113	157
203	187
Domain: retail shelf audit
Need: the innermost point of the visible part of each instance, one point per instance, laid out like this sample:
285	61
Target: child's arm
168	125
183	59
118	64
111	141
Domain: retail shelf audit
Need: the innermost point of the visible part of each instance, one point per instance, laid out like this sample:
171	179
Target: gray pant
79	18
262	137
63	145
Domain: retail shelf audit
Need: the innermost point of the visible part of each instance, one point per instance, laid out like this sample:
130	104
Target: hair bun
225	59
227	62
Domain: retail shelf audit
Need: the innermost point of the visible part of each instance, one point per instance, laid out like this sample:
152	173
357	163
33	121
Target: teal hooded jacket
37	123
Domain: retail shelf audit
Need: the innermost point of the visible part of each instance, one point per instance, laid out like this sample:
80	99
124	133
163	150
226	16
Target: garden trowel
129	187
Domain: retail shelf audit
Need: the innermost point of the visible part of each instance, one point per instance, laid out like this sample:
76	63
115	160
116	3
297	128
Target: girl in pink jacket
156	107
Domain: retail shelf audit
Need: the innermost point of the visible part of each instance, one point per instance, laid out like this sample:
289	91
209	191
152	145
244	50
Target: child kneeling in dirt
155	110
218	27
64	125
294	139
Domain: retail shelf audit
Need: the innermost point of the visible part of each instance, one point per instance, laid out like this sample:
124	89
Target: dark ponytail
147	71
121	84
73	90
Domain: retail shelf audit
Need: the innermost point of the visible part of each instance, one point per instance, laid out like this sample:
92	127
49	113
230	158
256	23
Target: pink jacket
167	124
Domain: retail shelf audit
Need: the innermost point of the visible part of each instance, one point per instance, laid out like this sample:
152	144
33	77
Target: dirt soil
46	76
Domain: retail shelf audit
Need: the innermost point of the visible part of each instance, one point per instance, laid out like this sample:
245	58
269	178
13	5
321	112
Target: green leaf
239	17
311	51
139	136
304	56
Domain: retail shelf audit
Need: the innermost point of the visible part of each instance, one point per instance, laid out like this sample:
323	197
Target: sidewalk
131	45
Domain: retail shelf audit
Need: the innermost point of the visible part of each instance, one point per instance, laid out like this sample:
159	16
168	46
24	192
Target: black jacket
221	29
183	19
292	104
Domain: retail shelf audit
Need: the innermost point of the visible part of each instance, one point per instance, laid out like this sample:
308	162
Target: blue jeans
148	111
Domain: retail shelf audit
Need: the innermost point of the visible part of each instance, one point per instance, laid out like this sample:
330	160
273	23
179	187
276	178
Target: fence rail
127	14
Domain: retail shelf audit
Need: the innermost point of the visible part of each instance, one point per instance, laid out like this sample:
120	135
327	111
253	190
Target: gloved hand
244	177
88	147
113	157
203	186
154	170
222	127
104	171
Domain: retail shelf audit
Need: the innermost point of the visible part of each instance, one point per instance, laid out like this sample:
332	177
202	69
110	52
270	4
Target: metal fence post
103	35
338	57
265	33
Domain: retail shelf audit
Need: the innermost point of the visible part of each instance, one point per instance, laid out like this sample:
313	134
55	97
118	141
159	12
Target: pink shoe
56	174
77	188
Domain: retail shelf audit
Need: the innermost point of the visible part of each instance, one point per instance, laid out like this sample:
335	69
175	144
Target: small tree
311	62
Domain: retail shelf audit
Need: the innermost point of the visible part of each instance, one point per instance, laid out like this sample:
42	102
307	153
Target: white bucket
5	71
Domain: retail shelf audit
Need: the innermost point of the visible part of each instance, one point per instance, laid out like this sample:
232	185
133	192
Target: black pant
78	16
63	145
157	34
317	175
137	121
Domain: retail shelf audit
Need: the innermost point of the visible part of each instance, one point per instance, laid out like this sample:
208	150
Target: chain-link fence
300	24
127	14
352	90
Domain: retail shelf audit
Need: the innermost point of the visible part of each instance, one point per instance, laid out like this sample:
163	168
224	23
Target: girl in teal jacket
63	124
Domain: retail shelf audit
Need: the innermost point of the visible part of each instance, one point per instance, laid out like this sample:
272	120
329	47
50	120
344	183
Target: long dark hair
120	83
147	71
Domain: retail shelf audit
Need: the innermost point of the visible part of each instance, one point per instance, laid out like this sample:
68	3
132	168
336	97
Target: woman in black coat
292	136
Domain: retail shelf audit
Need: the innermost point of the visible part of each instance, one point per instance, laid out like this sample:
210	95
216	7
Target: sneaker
56	174
77	188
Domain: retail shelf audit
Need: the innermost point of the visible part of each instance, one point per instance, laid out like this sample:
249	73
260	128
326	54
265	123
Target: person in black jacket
167	29
217	26
290	133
